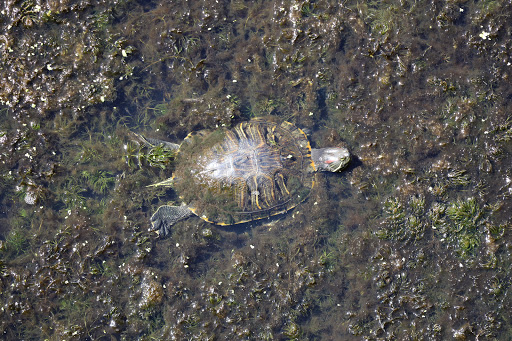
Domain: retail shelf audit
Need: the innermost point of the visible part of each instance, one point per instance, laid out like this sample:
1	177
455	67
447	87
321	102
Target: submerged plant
458	178
73	193
16	242
459	223
132	152
467	242
292	331
159	156
417	205
436	216
465	215
269	106
383	19
497	231
403	222
100	181
503	132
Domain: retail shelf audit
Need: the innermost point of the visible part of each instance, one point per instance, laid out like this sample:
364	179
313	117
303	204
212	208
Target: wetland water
411	242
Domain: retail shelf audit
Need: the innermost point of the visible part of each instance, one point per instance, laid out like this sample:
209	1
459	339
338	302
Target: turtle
257	169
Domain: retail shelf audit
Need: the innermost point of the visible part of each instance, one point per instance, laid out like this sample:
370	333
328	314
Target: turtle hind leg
149	142
166	216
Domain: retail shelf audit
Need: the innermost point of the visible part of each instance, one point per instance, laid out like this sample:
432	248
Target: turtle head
330	159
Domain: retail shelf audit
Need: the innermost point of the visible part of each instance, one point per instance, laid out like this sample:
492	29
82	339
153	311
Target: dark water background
411	242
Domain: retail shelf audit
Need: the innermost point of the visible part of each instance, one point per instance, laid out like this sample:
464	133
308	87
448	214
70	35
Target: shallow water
412	241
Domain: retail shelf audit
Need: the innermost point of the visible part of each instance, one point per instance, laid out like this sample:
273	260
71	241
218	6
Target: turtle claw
166	216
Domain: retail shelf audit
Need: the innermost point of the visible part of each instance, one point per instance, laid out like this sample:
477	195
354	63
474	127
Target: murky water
411	242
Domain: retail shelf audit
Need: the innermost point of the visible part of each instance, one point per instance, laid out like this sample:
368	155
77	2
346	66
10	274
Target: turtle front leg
166	216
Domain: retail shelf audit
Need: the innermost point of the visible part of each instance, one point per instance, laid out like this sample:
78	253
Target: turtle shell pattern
255	170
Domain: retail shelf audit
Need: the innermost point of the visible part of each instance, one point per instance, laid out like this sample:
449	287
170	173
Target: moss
16	242
100	181
72	194
292	331
403	223
458	178
383	19
465	215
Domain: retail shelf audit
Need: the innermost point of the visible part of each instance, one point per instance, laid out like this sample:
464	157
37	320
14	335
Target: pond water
412	241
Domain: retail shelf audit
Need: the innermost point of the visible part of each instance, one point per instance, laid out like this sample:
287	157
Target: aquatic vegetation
467	243
497	231
503	132
87	154
496	286
132	154
436	216
458	178
292	331
417	90
101	269
159	109
447	86
461	223
417	205
327	259
100	181
152	294
268	106
465	225
16	242
73	194
383	18
159	156
465	214
403	223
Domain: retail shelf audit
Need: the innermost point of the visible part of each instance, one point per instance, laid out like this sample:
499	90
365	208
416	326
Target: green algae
411	242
